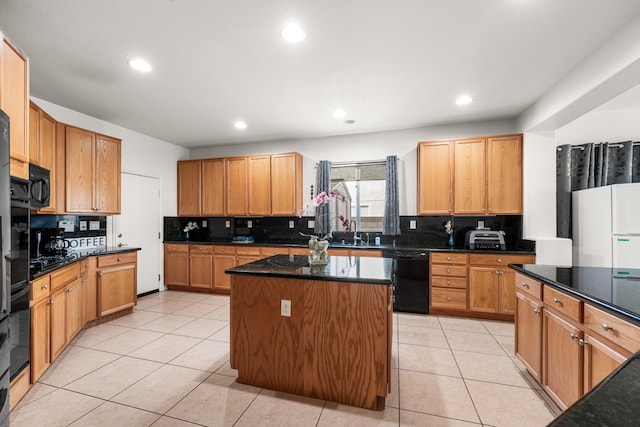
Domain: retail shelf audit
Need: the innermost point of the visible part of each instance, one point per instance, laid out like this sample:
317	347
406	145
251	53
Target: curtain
391	224
579	167
323	211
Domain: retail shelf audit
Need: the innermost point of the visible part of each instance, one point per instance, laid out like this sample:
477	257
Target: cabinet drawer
65	275
85	266
177	248
449	270
448	258
117	259
454	299
274	251
299	251
563	303
224	250
248	250
449	282
498	259
40	288
618	331
201	249
529	286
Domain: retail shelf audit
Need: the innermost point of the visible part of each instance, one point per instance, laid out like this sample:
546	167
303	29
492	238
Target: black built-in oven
5	271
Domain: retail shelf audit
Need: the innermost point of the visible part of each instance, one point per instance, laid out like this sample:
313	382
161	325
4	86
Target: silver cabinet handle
448	298
448	258
524	285
448	270
556	301
573	336
69	290
499	259
581	342
51	302
45	287
606	327
536	311
119	259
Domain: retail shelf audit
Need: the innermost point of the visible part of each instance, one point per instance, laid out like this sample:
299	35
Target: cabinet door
221	263
245	259
528	340
189	187
107	175
116	289
599	361
47	144
286	184
259	185
504	175
435	174
483	289
40	349
212	187
562	360
58	313
80	158
201	270
507	291
176	268
73	313
14	100
89	285
34	131
470	177
236	185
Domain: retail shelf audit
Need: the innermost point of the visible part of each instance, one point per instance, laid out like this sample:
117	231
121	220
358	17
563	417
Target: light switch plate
285	308
227	224
311	224
480	224
292	224
249	224
83	225
94	225
412	224
67	225
204	223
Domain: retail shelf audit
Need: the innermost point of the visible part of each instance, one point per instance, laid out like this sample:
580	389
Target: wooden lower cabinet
73	312
58	313
176	265
201	266
448	283
40	337
600	360
224	258
563	359
89	285
117	283
528	335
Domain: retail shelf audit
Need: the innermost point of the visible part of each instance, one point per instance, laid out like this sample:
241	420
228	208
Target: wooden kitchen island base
336	345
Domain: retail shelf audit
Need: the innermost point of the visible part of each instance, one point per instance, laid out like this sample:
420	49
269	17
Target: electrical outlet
83	225
249	224
311	224
412	224
94	225
292	224
67	225
227	224
204	223
480	224
285	308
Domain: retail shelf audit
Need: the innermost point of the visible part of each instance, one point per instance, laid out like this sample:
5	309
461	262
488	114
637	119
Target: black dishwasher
410	279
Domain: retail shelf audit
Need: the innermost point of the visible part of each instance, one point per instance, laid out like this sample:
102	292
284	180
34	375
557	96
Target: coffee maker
48	242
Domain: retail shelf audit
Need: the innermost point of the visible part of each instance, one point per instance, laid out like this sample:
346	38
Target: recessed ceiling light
240	125
463	100
293	33
140	65
338	114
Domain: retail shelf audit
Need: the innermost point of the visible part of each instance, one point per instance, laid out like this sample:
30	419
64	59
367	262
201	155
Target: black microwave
40	186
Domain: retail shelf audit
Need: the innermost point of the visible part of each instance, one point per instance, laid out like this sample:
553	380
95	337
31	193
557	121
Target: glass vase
451	243
318	254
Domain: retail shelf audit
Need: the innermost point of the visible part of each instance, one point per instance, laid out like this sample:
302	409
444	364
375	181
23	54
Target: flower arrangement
190	226
320	199
448	228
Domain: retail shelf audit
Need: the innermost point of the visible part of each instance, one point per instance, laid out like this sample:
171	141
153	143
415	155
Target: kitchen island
318	331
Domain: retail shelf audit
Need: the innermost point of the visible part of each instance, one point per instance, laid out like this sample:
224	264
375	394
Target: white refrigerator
606	226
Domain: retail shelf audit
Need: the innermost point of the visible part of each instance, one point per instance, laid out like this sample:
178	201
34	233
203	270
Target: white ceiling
388	64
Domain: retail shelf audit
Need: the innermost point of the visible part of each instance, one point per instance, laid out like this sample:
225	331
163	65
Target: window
364	186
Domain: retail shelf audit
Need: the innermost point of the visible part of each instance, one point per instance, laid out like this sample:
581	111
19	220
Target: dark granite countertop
339	269
612	403
340	245
614	289
74	256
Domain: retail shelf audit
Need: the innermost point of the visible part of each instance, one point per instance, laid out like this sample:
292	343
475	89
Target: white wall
601	126
141	154
366	146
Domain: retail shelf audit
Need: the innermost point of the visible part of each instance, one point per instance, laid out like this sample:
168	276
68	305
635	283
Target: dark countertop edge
310	276
511	251
629	315
98	252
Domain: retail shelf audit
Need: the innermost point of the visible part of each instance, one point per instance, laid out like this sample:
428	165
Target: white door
138	226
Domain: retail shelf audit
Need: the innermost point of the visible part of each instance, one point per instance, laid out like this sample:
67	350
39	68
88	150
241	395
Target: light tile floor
167	364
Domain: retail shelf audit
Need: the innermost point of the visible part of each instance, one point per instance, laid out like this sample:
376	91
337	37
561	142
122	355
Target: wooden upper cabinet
286	184
236	186
14	101
504	174
212	194
435	172
189	173
80	157
469	177
42	148
107	175
259	175
92	172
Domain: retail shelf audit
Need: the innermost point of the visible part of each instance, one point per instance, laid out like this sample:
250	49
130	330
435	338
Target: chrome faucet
355	232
